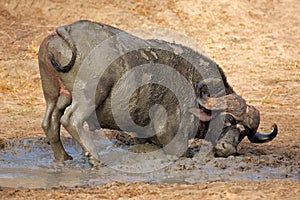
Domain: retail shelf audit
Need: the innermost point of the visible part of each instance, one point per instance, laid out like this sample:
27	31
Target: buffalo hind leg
51	125
73	121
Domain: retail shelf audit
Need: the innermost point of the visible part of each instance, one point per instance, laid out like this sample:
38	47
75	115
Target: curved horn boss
247	117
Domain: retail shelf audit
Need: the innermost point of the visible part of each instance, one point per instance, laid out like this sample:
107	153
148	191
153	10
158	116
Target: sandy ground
256	43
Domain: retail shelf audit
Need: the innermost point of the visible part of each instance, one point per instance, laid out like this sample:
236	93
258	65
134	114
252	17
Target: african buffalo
82	68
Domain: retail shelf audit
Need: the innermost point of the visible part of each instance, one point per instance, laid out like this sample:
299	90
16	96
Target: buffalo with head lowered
164	92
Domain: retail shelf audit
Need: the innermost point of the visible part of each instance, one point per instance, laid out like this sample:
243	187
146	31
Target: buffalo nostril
223	145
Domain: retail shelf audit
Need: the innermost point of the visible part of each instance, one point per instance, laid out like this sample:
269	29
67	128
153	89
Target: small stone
262	161
248	159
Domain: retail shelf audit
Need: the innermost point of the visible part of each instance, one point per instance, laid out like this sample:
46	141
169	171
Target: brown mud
28	163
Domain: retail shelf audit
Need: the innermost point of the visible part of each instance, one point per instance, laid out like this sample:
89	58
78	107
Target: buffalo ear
202	115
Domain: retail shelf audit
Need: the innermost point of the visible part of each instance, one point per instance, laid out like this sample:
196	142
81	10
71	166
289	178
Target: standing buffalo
175	93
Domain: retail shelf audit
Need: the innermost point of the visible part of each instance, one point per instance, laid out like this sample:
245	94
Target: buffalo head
239	119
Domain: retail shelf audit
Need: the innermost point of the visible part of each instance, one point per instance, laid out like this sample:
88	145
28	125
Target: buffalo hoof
62	158
95	163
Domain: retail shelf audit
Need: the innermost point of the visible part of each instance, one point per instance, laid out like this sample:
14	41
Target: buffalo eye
229	119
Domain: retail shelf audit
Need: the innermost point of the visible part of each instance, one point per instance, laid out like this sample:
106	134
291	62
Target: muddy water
28	163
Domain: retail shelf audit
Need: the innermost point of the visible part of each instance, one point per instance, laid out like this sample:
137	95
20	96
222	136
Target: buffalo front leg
51	126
